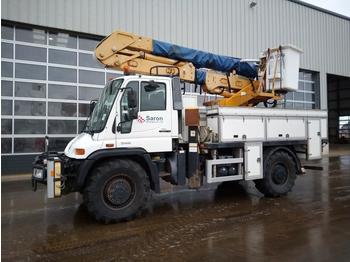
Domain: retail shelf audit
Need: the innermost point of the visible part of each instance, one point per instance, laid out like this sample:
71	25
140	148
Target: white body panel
86	141
253	160
314	149
283	128
246	128
324	127
262	124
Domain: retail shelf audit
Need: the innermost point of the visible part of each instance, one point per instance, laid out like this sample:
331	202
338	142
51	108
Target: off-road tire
279	174
108	182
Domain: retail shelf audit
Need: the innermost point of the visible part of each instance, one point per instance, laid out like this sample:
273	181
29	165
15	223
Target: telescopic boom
239	83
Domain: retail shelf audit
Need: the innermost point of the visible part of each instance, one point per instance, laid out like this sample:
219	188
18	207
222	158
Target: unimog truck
145	127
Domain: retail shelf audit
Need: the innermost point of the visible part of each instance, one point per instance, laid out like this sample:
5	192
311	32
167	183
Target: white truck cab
112	126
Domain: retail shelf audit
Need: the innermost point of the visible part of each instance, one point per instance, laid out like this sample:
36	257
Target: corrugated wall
220	26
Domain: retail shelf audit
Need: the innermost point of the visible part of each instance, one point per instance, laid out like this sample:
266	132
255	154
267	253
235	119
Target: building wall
223	26
220	26
48	78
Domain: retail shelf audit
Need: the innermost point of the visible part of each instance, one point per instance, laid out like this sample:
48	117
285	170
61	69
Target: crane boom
236	81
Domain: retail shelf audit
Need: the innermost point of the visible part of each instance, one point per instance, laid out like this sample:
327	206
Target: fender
139	154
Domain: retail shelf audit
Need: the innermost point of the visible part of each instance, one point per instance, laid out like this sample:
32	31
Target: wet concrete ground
232	222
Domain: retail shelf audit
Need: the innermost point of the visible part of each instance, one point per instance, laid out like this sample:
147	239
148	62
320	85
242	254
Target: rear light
80	151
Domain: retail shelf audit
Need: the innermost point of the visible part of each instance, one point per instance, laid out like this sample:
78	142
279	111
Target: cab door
152	128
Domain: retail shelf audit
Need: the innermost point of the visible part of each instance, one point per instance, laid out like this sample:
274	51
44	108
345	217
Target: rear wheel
116	191
279	174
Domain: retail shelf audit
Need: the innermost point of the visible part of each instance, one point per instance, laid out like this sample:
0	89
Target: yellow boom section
131	53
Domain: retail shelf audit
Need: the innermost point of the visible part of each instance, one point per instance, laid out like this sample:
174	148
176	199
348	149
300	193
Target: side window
152	96
125	119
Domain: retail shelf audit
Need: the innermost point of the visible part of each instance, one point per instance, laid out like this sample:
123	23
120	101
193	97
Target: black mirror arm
133	114
119	127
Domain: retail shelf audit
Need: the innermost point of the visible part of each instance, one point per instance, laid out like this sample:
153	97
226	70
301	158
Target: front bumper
47	169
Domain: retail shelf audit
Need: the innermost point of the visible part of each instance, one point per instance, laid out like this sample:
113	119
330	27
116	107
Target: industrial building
49	74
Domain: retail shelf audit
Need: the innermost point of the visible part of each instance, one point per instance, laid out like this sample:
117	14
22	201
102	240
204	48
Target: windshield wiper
88	131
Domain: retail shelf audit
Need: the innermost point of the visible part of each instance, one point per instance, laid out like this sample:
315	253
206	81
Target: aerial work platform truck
145	127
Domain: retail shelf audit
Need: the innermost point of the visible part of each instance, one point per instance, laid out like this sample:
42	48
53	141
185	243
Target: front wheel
116	191
279	174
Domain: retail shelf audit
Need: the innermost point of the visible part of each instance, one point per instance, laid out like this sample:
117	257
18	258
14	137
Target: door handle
164	131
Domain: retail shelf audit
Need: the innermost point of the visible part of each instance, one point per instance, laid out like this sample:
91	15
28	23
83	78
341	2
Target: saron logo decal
140	119
150	119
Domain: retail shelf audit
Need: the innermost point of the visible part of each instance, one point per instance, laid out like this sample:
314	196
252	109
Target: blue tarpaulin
202	59
200	75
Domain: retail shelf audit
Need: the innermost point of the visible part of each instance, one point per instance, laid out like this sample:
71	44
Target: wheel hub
280	174
118	192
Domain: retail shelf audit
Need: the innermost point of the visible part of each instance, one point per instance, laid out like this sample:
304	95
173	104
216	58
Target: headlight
38	173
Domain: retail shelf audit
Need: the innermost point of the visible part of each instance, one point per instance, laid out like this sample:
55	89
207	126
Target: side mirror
92	106
132	99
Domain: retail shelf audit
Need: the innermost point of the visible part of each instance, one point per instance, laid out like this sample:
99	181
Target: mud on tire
116	190
279	174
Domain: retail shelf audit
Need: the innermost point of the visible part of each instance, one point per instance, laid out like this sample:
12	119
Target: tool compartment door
314	150
253	161
241	128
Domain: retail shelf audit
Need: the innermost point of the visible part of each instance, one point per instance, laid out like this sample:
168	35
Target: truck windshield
97	121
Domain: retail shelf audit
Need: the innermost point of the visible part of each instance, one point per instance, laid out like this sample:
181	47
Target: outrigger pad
201	59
